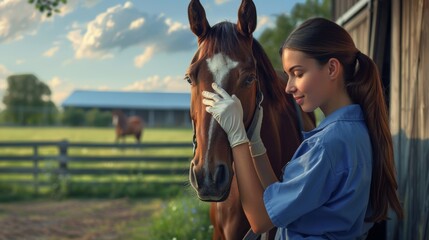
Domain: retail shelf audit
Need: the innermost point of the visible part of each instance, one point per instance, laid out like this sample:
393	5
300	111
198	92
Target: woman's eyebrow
291	69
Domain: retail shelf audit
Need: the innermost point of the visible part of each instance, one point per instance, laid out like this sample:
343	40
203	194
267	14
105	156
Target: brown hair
323	39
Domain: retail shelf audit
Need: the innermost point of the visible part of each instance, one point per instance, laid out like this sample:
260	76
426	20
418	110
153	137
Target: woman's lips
299	100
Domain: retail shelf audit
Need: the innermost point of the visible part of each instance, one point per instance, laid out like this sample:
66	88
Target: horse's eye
188	79
249	80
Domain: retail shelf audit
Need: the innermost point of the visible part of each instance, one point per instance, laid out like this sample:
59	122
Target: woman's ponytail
366	89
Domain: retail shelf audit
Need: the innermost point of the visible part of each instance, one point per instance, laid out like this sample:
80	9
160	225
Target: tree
97	118
74	117
48	6
272	38
27	100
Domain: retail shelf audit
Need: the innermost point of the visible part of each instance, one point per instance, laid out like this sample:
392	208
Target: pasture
112	211
99	136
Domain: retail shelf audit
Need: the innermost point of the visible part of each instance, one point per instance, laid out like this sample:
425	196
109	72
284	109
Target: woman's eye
188	79
298	74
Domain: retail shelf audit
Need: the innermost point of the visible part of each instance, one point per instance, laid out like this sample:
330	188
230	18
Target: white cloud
142	59
220	2
104	88
54	82
123	26
136	24
264	21
18	18
68	8
174	26
51	52
4	73
19	61
60	88
156	83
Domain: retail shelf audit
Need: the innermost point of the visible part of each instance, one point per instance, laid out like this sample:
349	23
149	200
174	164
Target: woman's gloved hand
228	112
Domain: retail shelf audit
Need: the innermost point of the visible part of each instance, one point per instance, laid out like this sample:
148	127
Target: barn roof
128	100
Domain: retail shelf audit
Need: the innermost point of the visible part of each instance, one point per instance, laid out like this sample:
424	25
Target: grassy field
115	182
106	135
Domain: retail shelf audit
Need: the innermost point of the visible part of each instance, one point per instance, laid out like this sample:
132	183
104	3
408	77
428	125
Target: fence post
36	169
63	158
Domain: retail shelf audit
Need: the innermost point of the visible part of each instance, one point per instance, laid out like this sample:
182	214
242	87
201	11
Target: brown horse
127	125
229	55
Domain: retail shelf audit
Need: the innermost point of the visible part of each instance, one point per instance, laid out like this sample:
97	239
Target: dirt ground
75	219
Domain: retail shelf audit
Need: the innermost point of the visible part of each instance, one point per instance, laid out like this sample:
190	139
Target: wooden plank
22	170
92	159
98	183
13	144
83	159
131	146
26	182
127	171
26	158
98	171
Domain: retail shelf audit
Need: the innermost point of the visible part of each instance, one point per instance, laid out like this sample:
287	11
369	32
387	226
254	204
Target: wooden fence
9	163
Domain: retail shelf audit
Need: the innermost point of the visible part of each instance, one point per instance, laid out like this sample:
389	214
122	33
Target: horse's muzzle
211	185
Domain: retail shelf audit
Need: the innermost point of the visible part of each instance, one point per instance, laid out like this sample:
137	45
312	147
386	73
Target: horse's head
224	56
117	117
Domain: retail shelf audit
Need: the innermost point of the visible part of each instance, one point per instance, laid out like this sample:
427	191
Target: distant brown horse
229	55
127	125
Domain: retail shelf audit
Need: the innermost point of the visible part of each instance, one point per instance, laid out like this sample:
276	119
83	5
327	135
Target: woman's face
308	80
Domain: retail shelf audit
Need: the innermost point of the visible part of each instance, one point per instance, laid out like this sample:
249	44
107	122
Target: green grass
102	135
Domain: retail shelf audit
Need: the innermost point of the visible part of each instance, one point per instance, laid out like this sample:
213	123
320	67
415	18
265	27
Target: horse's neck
281	134
122	121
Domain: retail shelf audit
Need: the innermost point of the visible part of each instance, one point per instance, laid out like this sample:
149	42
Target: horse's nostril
193	175
221	176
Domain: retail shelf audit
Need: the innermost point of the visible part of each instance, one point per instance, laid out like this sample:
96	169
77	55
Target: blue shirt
325	189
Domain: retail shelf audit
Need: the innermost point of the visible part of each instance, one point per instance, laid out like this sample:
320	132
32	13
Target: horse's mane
223	37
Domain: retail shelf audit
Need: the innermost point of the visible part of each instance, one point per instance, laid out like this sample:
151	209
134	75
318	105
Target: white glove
256	145
228	113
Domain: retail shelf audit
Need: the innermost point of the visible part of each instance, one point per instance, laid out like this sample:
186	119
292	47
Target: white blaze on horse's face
220	65
115	120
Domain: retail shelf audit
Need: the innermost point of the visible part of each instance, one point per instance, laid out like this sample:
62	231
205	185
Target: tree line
28	102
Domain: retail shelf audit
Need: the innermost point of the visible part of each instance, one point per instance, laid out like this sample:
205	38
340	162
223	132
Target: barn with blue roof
158	109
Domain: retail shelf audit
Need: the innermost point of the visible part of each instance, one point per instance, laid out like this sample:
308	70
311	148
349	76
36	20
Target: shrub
73	117
184	217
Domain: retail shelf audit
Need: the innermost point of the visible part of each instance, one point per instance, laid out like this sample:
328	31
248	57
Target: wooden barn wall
357	25
358	30
409	112
401	52
341	6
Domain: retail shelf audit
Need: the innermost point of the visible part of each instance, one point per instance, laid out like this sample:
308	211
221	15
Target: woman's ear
334	68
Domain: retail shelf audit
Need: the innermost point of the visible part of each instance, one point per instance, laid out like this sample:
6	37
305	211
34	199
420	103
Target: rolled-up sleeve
307	184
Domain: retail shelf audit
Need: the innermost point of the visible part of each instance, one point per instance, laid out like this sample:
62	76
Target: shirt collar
347	113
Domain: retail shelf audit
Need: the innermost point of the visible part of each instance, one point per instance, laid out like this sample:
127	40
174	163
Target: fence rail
9	163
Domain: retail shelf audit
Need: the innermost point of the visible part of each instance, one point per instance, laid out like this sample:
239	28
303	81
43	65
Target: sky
110	45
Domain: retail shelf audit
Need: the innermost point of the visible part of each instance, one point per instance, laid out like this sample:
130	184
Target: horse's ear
197	19
247	18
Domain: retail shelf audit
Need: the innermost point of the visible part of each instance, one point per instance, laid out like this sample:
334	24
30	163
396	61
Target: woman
342	178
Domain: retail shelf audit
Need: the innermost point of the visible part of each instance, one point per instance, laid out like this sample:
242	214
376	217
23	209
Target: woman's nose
290	87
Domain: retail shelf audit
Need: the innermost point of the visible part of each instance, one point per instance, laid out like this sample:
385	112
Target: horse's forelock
221	38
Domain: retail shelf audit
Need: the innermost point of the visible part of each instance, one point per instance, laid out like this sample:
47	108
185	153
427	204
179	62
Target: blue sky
143	45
